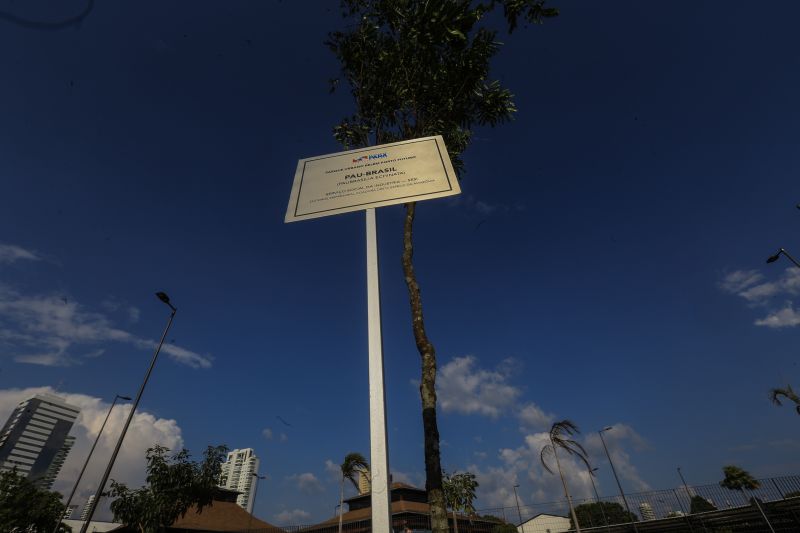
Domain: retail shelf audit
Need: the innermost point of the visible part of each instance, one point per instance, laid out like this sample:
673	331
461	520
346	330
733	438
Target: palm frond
787	393
353	463
546	450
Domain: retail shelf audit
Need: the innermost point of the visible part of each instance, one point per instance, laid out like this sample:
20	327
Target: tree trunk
455	522
341	503
427	387
566	491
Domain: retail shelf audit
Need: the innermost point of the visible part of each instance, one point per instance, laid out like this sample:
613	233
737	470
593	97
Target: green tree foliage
787	393
505	527
561	434
592	513
173	485
24	505
351	466
698	504
417	68
738	479
459	493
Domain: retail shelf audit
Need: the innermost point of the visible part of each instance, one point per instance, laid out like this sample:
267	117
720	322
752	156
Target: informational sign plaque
395	173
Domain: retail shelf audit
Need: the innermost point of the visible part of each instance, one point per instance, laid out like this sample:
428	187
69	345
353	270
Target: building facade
86	507
35	438
364	483
239	473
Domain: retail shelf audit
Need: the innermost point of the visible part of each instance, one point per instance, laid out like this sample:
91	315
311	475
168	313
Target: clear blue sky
605	262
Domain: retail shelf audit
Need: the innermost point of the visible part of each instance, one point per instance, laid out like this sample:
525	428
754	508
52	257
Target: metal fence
672	505
773	507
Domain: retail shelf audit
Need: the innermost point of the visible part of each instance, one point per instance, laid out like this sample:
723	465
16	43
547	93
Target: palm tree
353	464
560	437
739	479
788	393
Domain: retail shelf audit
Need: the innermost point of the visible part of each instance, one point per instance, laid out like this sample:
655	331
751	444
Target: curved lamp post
255	491
83	469
164	298
782	251
597	495
614	470
519	514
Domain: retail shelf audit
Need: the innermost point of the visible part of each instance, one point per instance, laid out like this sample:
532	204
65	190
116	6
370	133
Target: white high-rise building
239	473
364	482
646	510
86	507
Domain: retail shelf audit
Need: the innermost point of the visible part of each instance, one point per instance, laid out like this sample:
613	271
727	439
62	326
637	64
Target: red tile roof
217	517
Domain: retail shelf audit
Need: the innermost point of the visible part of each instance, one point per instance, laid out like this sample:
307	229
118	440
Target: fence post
778	488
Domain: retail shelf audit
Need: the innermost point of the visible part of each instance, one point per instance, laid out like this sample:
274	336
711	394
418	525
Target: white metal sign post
363	179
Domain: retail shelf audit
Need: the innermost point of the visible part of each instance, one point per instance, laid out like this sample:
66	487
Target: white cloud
293	517
45	330
464	389
522	465
10	253
746	284
620	435
267	432
333	470
307	482
145	431
740	280
783	318
533	418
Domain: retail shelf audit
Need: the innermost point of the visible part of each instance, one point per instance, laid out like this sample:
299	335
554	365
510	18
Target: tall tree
418	68
698	504
24	505
561	439
459	493
599	512
174	484
353	464
740	480
776	394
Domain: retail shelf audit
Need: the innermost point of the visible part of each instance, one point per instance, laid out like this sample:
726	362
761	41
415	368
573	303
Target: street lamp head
516	486
164	298
595	469
773	258
607	428
126	398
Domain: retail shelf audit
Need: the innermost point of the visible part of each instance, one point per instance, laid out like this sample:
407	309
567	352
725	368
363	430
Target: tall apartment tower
364	482
86	507
35	440
238	474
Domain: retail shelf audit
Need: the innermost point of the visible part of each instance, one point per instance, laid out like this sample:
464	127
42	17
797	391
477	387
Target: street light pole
614	470
164	298
83	469
686	488
782	251
519	513
255	491
597	495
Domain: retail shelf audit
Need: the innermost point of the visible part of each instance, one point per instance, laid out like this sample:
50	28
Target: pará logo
370	157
